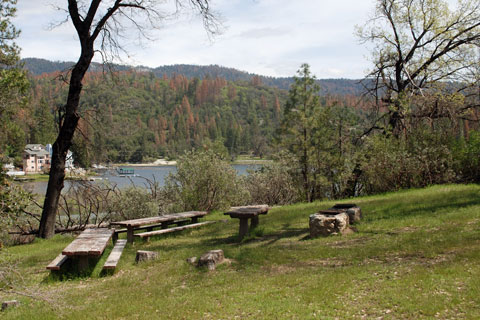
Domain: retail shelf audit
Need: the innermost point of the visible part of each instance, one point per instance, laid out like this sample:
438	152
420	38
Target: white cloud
271	37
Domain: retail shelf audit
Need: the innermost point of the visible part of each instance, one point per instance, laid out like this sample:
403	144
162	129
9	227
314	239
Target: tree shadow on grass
285	232
400	210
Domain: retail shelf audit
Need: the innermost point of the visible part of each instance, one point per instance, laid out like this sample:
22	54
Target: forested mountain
139	114
133	116
327	86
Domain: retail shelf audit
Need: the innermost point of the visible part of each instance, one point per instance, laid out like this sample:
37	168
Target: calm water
158	173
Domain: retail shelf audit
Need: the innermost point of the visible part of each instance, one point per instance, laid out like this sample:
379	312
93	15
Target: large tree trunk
62	144
83	21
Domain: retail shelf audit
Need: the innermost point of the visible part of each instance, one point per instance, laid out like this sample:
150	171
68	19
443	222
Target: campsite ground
416	254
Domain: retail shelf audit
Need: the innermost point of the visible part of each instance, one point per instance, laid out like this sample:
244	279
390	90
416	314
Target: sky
266	37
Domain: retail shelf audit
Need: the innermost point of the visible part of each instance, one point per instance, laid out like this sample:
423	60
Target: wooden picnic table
90	243
247	212
164	221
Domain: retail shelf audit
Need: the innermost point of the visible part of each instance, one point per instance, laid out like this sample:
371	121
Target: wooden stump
192	260
143	255
211	259
9	304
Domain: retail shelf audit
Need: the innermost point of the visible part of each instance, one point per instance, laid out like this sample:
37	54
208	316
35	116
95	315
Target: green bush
203	181
13	201
467	156
273	183
134	203
393	164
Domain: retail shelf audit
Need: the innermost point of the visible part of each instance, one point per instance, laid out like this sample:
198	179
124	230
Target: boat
123	172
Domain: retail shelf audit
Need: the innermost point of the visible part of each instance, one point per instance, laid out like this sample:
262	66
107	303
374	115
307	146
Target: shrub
392	164
203	181
13	202
467	156
272	184
133	203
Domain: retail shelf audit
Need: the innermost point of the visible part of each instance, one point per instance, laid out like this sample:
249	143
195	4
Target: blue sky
268	37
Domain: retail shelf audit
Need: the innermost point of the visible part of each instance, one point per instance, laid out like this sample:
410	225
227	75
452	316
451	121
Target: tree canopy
13	81
421	47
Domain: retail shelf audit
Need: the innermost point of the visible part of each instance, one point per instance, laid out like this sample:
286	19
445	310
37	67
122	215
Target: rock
211	259
192	260
354	212
143	255
9	304
322	224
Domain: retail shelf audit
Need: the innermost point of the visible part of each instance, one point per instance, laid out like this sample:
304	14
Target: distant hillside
328	86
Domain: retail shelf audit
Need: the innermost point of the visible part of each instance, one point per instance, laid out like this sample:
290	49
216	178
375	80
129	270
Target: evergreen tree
44	125
299	126
13	83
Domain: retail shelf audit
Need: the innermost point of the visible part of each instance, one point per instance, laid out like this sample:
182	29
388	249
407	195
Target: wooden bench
56	264
89	244
245	213
146	235
163	225
115	255
163	221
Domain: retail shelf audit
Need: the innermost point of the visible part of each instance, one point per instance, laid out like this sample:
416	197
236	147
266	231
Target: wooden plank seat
115	255
148	234
174	218
163	224
149	227
56	264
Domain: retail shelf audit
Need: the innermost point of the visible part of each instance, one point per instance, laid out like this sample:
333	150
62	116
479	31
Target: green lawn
416	255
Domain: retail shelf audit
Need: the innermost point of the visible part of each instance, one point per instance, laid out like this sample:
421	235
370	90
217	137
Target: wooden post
243	227
254	222
82	263
114	237
150	229
130	234
194	219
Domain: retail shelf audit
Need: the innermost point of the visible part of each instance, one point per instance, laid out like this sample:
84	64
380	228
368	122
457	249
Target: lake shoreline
163	163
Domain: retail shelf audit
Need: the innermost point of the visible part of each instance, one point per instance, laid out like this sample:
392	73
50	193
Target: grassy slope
415	255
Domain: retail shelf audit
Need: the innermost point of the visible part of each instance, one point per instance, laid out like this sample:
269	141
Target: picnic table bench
160	221
247	212
90	243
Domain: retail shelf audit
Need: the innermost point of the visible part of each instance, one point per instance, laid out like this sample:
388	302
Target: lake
159	173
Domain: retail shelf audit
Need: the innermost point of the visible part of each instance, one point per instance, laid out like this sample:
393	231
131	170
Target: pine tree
44	126
299	126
